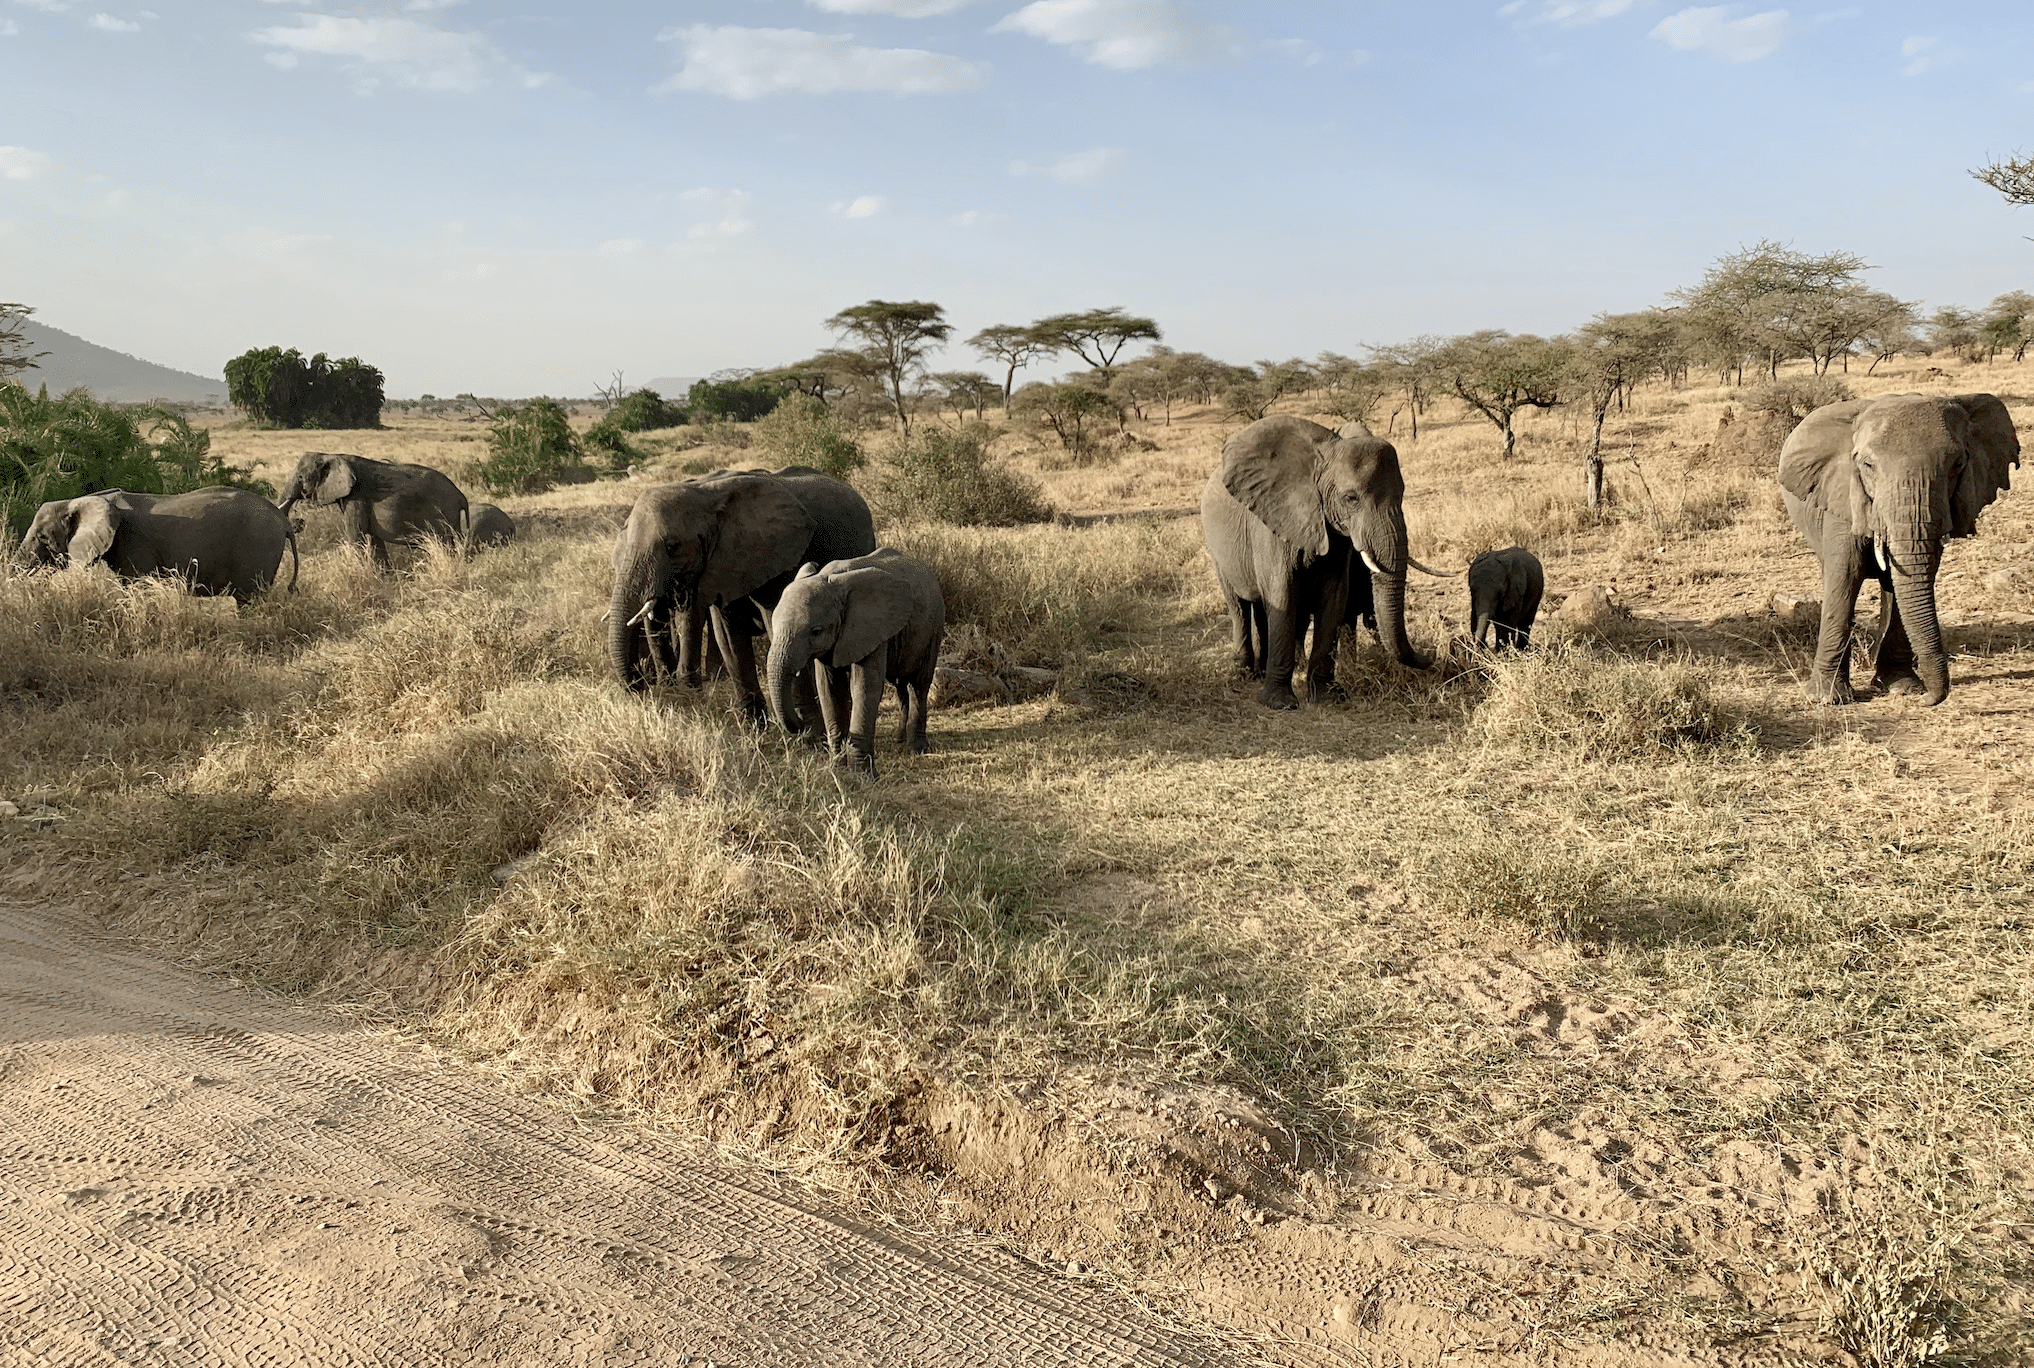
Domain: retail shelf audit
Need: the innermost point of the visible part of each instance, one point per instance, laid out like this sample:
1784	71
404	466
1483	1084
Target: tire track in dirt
193	1174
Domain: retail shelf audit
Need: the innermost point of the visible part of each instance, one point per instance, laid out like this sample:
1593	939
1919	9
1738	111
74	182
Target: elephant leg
738	648
1893	669
1280	646
1842	576
1328	610
921	699
1260	643
810	708
689	626
903	687
1479	630
866	687
1244	654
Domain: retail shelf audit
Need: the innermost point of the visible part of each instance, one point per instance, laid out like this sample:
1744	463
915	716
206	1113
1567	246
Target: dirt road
191	1173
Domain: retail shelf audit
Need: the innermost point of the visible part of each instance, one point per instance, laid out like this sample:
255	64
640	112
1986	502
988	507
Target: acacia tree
1097	336
14	353
1072	411
1353	389
2013	178
963	390
1611	354
1498	373
895	337
1954	330
2009	323
1745	306
1015	347
1413	370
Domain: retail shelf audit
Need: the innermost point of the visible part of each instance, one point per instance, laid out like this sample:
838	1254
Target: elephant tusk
649	607
1879	549
1429	570
1375	568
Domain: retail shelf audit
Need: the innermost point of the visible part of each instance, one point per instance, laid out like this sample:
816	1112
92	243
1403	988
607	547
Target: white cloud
1717	29
1567	13
9	29
729	210
416	54
106	23
1127	34
1926	54
862	206
746	63
1082	168
974	218
47	6
620	247
903	9
18	163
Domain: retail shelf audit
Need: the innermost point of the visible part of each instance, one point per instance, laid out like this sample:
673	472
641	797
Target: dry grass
1808	929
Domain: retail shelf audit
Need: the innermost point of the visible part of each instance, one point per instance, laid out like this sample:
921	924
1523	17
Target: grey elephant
873	619
721	547
1877	486
218	540
1288	516
488	526
1505	589
385	502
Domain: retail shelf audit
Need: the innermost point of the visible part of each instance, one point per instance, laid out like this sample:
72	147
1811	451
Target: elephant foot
857	760
1328	692
1902	682
920	746
1834	690
752	713
1281	699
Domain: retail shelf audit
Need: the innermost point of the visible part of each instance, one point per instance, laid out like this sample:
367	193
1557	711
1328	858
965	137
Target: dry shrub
1553	888
1589	705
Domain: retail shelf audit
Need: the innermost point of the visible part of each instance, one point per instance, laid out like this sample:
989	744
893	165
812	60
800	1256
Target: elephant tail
293	563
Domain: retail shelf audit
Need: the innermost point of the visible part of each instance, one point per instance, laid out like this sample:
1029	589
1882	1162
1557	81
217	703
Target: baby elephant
1504	592
488	526
217	540
861	622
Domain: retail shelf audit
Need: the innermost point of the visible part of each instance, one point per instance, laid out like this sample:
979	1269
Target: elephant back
846	528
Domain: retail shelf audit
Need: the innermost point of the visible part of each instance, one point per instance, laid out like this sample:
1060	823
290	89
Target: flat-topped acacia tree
1096	337
895	336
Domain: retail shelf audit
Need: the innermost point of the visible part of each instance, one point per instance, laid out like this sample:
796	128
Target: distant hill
673	388
112	376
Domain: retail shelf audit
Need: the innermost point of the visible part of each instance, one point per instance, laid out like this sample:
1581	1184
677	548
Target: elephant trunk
1914	560
628	630
1384	552
782	685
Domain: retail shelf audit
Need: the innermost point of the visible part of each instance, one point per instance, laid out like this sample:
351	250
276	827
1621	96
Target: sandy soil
191	1173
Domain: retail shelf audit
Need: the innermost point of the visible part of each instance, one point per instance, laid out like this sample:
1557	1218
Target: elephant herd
223	540
1305	527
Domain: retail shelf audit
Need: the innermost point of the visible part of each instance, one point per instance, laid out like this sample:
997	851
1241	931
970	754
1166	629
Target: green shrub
644	410
73	444
738	396
803	431
531	448
945	475
609	443
279	388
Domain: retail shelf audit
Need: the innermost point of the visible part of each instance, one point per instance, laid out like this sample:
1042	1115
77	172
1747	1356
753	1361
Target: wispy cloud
9	29
46	6
1722	32
1091	167
1127	34
749	63
415	54
861	207
903	9
106	23
1927	54
728	212
1567	13
18	163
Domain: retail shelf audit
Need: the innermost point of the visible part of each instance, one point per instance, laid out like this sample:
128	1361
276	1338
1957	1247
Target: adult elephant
1287	516
218	540
1877	486
722	546
385	502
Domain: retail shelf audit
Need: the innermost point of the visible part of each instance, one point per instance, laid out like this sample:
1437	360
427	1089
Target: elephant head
321	477
72	531
1304	482
835	616
1904	473
695	545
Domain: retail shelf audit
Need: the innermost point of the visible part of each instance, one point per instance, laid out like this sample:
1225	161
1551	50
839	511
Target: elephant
1286	516
722	546
384	501
1877	486
1505	588
862	621
487	525
218	540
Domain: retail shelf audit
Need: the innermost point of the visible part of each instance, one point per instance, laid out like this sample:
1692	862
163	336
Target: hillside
111	375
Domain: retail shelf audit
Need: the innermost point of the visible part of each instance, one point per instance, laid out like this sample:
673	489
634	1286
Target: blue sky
515	198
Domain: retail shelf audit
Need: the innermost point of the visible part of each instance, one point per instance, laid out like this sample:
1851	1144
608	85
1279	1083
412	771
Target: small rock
953	688
2011	580
9	810
1027	682
1590	607
1802	612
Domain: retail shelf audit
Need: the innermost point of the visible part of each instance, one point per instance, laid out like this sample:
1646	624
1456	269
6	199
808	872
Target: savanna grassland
1611	1004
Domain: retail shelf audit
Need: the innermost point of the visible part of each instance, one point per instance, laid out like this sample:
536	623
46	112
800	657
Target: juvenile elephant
385	502
1287	516
1877	486
218	540
721	546
864	621
1505	588
487	525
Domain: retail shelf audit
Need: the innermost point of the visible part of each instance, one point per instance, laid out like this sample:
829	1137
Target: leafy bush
1076	414
279	388
738	396
943	475
643	410
610	442
802	430
73	444
531	448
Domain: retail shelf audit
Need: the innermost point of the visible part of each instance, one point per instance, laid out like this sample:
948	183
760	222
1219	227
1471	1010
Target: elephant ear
1276	476
1815	464
337	482
94	520
763	532
879	604
1994	449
